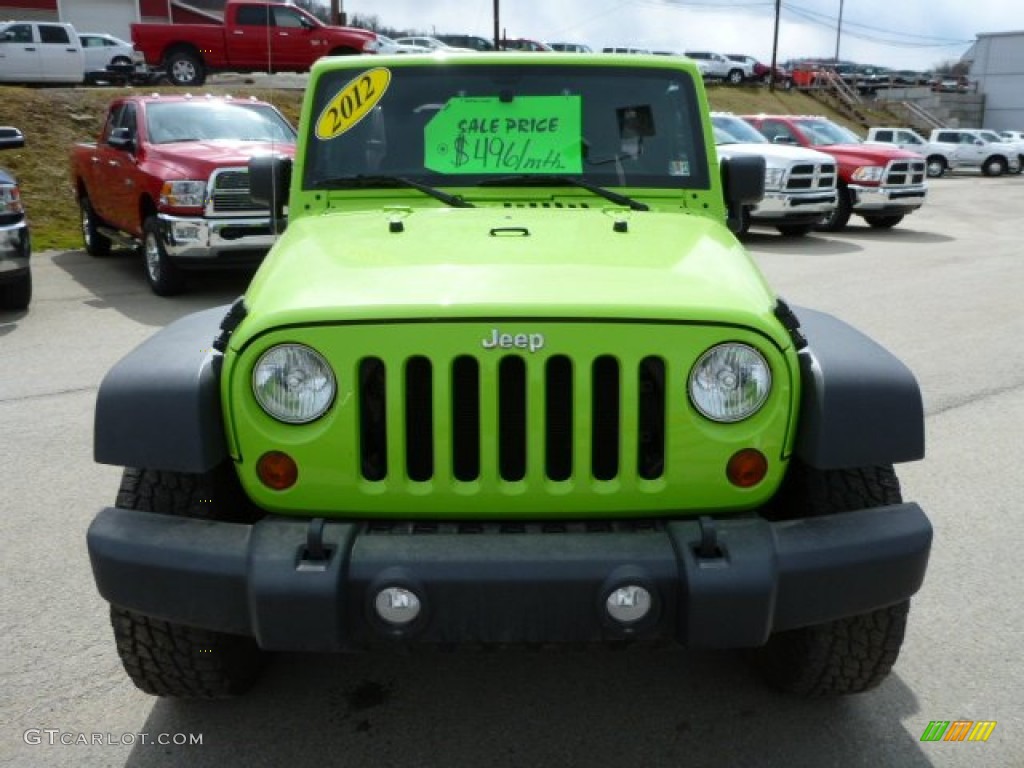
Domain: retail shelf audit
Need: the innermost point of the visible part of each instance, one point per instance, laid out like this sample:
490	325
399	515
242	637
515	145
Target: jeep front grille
904	173
476	392
811	176
229	192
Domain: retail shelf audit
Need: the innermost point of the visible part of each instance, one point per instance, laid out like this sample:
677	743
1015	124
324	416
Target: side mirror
742	184
270	181
783	140
11	138
121	138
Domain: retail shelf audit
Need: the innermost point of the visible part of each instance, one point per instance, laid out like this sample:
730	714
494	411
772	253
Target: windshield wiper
566	181
361	181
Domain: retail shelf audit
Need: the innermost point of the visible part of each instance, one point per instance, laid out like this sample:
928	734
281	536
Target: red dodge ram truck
255	37
170	173
882	184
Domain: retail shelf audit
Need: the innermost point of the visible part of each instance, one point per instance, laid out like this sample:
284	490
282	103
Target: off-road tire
185	68
163	275
167	659
16	294
95	243
848	655
794	230
884	222
839	217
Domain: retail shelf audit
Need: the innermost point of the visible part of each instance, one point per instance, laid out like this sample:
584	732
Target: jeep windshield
468	125
823	133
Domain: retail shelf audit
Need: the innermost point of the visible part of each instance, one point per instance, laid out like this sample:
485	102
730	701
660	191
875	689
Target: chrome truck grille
229	193
488	392
811	176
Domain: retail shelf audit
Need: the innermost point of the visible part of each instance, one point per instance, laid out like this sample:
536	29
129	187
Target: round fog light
628	604
397	605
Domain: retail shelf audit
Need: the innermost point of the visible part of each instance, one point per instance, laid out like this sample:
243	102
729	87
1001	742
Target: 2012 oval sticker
353	102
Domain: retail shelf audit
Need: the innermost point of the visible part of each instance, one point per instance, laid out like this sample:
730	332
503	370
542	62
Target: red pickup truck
255	37
170	174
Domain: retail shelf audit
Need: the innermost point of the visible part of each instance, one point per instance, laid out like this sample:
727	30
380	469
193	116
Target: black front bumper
528	583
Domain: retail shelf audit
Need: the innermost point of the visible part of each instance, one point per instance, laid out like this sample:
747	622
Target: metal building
997	65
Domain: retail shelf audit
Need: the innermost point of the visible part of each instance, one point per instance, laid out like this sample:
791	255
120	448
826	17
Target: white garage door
110	16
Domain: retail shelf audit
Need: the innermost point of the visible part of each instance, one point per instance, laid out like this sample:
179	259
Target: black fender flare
159	406
860	405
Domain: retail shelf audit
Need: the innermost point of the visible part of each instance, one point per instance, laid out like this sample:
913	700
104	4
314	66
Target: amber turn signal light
277	470
747	468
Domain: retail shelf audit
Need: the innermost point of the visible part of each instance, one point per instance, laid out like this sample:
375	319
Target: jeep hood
448	263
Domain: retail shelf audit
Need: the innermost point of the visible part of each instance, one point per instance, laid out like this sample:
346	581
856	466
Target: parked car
715	66
978	149
170	174
881	183
109	59
939	157
256	36
40	52
759	71
625	49
524	44
15	243
430	43
387	46
799	183
570	47
748	63
472	42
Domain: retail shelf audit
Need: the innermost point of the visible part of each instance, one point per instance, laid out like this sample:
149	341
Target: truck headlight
730	382
293	383
183	194
773	178
10	199
871	173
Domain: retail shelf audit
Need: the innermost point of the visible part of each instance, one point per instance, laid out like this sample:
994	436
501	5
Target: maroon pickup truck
255	37
170	174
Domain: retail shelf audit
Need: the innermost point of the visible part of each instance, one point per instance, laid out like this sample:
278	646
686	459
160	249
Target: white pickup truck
940	157
40	52
976	148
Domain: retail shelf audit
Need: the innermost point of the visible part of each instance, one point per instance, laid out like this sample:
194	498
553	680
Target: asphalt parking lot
943	291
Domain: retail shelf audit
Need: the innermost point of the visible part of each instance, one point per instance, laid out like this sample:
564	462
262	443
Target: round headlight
730	382
293	384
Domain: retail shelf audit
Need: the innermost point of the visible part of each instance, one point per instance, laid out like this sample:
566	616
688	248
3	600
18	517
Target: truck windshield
175	121
462	125
735	130
822	133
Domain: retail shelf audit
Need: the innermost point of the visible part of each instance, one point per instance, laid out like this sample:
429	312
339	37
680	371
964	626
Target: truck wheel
794	230
884	222
95	243
164	277
167	659
185	68
16	294
994	166
935	167
735	76
837	219
852	654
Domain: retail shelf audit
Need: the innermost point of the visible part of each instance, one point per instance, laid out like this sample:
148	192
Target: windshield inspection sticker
352	103
528	134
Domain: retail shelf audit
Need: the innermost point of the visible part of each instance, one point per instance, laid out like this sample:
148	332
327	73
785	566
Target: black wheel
936	166
17	293
120	61
794	230
164	277
185	68
167	659
994	166
837	219
735	76
95	243
884	222
848	655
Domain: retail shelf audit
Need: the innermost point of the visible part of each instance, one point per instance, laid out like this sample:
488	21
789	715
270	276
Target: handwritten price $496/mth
483	153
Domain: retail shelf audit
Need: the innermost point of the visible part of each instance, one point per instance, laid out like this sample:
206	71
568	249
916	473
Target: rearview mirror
742	184
121	138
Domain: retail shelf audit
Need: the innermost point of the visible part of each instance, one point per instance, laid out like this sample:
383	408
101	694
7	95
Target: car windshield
457	125
822	133
991	136
737	130
175	121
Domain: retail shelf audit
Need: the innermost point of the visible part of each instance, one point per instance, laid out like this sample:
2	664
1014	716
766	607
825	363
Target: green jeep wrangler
507	378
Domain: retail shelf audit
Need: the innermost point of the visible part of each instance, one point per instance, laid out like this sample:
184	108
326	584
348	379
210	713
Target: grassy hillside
53	119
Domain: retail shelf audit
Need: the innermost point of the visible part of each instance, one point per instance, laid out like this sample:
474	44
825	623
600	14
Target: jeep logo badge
497	340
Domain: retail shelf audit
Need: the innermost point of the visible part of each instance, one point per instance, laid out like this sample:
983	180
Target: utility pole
839	28
337	14
497	26
775	47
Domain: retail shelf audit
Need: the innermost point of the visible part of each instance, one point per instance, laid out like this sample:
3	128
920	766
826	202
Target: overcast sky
904	34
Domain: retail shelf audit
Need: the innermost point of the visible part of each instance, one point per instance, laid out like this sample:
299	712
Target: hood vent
546	205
